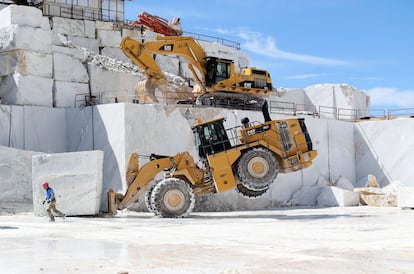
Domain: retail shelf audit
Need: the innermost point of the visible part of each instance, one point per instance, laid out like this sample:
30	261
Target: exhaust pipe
265	111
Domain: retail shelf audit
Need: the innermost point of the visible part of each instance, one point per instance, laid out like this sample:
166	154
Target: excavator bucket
145	92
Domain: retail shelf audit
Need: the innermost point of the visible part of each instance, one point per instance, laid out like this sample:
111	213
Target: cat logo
253	131
168	47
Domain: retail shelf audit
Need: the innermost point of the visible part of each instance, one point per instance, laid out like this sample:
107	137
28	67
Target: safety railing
405	112
208	38
186	99
86	99
281	107
73	11
343	114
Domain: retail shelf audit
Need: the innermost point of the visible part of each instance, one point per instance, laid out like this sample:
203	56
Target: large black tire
248	193
172	198
257	169
148	197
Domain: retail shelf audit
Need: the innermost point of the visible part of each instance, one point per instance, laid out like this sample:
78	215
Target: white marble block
76	178
15	175
78	53
68	26
69	69
65	93
102	25
90	29
340	96
405	195
90	44
383	148
133	33
335	196
21	15
109	38
104	80
115	53
18	89
26	62
44	129
25	37
46	23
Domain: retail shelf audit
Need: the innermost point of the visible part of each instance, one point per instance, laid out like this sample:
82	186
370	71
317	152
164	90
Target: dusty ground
294	240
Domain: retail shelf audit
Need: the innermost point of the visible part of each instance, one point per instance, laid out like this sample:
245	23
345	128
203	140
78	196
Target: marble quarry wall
385	149
347	152
120	129
33	128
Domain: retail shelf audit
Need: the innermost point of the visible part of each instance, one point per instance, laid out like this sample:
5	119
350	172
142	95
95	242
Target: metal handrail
281	107
209	38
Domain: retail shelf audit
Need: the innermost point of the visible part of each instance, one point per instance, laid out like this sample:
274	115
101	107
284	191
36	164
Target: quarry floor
290	240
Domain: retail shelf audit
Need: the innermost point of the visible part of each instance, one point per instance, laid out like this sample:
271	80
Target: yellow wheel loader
246	158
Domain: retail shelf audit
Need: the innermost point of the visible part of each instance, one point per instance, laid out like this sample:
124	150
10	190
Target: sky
368	44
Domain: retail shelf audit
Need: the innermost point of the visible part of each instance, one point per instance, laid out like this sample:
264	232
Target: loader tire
172	198
248	193
148	197
257	169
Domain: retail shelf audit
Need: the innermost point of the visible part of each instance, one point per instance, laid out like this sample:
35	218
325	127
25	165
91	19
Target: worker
51	200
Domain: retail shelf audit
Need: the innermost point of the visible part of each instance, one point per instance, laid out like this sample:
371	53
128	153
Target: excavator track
231	100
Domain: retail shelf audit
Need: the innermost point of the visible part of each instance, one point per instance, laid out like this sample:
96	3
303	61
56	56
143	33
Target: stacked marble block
75	177
25	57
49	64
95	46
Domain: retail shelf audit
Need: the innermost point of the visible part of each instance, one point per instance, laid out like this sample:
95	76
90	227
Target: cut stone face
18	89
21	15
75	177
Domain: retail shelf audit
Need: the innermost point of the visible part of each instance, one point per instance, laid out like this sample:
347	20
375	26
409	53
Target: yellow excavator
218	82
247	158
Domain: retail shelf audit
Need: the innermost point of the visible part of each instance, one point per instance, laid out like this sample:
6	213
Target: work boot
52	220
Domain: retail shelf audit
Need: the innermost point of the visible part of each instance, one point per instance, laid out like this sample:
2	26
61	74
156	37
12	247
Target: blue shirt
49	193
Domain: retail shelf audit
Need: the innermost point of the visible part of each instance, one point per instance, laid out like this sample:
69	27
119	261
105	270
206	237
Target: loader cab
217	70
211	137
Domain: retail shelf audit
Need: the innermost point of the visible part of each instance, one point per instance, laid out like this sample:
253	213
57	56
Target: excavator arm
142	55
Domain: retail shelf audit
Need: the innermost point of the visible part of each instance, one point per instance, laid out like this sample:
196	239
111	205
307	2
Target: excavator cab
217	70
211	137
